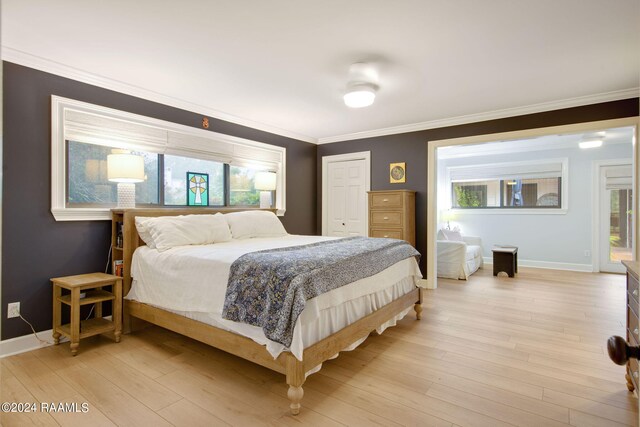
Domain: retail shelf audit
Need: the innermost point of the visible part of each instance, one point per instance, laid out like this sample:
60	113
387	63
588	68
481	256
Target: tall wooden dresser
633	331
393	214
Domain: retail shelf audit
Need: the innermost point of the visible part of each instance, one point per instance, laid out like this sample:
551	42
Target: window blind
619	178
506	171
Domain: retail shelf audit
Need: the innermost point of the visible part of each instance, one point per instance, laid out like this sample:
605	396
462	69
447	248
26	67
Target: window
83	135
175	179
479	194
242	190
87	181
508	193
518	185
88	185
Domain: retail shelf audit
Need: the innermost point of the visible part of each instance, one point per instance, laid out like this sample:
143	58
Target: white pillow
170	231
452	235
250	224
441	235
143	231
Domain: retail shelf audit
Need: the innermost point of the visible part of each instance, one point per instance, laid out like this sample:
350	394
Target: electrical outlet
13	310
587	253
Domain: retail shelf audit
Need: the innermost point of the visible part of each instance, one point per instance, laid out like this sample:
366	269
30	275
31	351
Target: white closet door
347	198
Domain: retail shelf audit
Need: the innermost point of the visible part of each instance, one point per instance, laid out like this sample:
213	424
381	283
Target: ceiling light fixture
592	140
594	143
362	86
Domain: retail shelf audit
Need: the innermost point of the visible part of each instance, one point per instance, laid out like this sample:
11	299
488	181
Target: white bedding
192	281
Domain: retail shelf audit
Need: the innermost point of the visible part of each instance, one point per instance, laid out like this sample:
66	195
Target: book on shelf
118	267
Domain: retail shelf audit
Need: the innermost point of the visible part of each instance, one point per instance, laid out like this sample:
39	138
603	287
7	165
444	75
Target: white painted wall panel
544	238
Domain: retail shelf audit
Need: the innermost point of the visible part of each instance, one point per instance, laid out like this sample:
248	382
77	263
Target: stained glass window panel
175	179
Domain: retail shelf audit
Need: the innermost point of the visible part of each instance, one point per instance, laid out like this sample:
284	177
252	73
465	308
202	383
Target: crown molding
32	61
489	115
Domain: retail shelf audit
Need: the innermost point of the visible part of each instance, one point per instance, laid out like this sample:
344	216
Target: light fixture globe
360	95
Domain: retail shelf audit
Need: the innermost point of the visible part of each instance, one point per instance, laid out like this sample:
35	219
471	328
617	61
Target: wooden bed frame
286	363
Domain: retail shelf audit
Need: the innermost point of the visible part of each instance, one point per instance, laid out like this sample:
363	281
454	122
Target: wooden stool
505	258
92	284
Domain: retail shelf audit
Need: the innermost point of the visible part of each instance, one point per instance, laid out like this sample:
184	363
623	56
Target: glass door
616	228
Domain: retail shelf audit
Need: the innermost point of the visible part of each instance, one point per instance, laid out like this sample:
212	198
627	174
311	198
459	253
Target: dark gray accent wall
34	246
412	148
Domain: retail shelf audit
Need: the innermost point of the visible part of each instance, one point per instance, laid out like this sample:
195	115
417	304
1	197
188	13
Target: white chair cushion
473	251
452	235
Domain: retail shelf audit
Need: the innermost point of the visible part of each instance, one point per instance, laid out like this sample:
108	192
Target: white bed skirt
196	278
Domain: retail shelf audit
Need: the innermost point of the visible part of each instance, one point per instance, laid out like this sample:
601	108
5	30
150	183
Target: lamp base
265	200
126	195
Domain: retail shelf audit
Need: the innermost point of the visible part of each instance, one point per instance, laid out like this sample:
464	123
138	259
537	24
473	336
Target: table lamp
126	169
448	216
266	183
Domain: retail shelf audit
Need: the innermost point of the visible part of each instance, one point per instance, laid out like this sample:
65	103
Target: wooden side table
505	258
92	285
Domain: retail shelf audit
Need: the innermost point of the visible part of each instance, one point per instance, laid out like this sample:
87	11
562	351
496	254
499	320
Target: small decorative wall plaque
197	189
397	173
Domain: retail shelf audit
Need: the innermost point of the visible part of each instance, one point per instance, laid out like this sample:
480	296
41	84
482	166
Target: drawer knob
635	331
385	200
385	235
635	374
635	293
386	218
620	352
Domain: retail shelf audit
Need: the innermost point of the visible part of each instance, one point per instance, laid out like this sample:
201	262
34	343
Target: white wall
541	238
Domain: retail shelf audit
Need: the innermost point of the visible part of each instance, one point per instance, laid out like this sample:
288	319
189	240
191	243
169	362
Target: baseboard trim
26	343
29	342
587	268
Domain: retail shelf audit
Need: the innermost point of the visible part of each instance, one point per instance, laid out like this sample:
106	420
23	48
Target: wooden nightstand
91	284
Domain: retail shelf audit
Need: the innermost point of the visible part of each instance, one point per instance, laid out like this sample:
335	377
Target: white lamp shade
265	181
447	215
360	95
125	168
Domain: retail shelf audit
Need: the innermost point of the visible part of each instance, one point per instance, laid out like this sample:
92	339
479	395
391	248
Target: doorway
345	182
615	195
433	172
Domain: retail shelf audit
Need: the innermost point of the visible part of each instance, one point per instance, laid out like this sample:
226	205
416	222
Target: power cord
106	270
34	331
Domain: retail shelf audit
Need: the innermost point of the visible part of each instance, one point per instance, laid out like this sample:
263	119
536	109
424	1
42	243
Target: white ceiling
623	135
282	65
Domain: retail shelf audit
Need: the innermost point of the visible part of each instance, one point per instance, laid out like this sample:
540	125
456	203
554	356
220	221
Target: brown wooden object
505	259
287	364
91	285
392	214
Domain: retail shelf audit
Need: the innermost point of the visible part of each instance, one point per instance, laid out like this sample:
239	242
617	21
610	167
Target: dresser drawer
632	323
632	286
633	301
384	200
633	371
386	218
381	232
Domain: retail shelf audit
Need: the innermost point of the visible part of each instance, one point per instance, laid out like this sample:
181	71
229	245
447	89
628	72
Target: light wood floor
489	352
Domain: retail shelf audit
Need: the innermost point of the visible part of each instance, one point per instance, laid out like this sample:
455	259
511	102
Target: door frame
432	172
362	155
596	170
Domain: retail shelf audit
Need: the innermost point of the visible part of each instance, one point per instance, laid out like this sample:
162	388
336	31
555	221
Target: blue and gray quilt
269	288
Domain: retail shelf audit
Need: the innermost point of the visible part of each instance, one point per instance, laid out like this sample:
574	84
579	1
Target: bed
311	346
